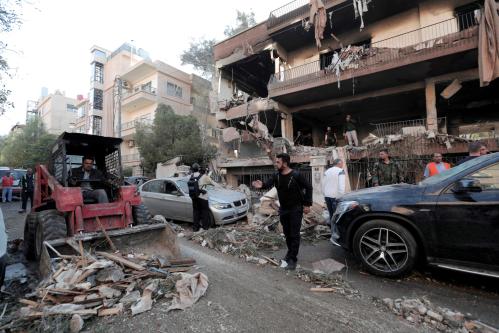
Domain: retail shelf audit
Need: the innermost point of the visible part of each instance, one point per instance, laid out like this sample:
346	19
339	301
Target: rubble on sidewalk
423	312
330	282
101	284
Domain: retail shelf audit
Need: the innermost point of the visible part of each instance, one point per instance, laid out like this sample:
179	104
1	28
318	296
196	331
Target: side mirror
467	185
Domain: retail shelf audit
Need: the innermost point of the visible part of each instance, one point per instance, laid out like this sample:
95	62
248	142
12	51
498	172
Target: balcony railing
287	12
132	124
136	90
446	34
393	128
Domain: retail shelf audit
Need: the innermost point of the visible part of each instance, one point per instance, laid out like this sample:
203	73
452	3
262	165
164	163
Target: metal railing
287	12
136	90
132	124
393	128
446	34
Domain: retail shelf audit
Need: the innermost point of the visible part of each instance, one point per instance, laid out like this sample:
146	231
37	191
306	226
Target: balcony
128	128
140	97
139	71
450	45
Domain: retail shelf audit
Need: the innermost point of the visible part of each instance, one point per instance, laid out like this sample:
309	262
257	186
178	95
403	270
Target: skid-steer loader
61	219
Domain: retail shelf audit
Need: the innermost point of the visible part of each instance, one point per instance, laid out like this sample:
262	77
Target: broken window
98	73
173	90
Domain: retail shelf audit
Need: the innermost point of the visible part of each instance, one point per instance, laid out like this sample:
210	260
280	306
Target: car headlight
220	205
345	206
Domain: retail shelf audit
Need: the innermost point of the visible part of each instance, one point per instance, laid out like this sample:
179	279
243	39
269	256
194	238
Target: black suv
450	220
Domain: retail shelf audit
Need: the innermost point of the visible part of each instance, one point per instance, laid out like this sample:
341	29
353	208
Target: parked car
170	197
450	220
3	248
17	174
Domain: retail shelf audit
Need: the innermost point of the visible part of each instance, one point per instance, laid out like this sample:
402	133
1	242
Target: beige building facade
57	112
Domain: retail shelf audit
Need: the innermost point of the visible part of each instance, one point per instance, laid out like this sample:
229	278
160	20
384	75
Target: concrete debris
423	312
130	298
76	323
330	281
327	266
189	290
230	133
110	274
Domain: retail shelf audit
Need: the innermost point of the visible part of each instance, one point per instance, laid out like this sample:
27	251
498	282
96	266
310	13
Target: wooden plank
82	253
272	261
182	261
111	311
85	274
111	244
121	260
29	302
323	290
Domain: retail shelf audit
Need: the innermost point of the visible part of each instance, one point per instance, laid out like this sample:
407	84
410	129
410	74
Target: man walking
386	171
7	183
295	198
435	167
350	131
333	185
27	190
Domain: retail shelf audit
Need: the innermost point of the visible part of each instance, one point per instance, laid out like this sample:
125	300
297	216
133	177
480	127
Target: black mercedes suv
450	220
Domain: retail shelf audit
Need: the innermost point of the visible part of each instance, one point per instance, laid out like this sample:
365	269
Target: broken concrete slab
110	274
130	298
76	323
108	292
327	266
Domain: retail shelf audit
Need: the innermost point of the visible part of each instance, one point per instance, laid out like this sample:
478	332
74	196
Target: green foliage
170	136
200	52
243	22
127	172
27	147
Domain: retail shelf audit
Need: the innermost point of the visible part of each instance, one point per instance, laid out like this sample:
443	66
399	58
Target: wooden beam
121	260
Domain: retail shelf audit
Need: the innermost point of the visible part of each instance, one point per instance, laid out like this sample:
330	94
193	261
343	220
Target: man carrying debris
435	167
386	171
295	198
333	185
350	131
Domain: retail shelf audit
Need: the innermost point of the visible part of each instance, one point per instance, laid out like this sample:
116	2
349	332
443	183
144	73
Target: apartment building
127	87
57	112
389	64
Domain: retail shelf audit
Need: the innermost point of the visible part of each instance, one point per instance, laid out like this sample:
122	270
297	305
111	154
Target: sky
52	46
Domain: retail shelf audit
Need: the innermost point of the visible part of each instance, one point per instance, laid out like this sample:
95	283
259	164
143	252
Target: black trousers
25	195
200	214
291	225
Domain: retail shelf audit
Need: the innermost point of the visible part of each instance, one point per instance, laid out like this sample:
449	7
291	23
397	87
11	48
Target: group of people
27	188
330	138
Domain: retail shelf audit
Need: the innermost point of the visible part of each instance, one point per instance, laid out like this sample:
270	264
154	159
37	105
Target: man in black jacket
87	172
295	198
27	189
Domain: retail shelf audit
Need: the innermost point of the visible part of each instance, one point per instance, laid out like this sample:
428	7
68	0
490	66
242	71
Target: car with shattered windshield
450	220
170	197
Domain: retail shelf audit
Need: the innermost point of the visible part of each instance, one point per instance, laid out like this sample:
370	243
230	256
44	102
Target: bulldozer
62	221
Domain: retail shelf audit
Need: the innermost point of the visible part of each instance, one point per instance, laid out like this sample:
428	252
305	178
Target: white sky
52	47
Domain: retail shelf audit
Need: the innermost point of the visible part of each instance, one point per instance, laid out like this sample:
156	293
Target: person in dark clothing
200	206
386	171
78	176
475	149
350	131
27	189
330	138
295	198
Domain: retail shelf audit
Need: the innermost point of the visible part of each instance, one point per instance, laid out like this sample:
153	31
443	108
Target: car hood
378	192
225	196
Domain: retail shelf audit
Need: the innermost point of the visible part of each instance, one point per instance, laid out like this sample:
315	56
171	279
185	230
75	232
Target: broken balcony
138	98
447	46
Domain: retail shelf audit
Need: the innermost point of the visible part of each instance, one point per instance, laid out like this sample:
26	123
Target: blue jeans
331	206
7	194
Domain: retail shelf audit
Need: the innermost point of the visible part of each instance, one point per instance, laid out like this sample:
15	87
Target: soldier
386	171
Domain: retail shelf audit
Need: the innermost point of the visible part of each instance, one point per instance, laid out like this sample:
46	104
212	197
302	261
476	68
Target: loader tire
51	225
29	236
141	215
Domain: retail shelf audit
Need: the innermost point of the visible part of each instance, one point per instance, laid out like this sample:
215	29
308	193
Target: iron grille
113	167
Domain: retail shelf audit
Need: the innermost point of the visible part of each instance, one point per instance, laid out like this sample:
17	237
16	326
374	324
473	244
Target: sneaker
21	211
291	265
284	264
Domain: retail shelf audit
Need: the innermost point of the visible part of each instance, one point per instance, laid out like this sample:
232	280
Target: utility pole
118	85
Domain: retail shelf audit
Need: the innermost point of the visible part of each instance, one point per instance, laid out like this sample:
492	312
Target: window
173	90
98	72
97	98
170	188
155	186
488	177
97	125
81	111
71	108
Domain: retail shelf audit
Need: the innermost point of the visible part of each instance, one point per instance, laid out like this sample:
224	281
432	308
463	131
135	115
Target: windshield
452	171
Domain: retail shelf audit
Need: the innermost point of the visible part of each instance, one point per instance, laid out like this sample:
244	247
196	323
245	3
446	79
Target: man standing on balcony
330	138
350	131
295	198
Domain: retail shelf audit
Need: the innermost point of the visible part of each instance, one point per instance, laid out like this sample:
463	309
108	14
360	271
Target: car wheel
385	248
29	236
211	220
141	215
51	225
3	263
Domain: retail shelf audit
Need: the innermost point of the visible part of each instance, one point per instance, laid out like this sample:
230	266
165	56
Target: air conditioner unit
131	144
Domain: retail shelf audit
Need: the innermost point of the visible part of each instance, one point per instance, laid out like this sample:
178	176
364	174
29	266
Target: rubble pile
105	284
423	312
327	282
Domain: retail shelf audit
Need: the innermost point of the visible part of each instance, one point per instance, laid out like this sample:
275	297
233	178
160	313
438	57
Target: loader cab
69	149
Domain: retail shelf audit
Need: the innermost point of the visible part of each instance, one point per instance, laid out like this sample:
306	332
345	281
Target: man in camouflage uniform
386	171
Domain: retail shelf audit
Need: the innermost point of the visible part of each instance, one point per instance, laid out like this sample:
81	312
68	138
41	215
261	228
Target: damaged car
170	197
450	220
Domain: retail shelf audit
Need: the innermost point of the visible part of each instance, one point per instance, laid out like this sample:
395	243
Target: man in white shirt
333	185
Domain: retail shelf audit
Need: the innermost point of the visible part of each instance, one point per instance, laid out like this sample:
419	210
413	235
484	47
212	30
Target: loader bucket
148	239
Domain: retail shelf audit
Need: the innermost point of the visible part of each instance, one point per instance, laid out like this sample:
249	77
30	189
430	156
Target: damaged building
416	76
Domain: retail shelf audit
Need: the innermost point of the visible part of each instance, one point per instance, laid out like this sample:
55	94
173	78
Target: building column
318	165
431	108
287	126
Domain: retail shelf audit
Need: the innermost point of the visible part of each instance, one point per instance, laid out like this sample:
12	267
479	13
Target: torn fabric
319	19
189	290
488	44
360	7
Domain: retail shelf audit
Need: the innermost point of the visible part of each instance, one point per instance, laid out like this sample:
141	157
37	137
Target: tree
243	22
169	136
9	19
200	52
28	147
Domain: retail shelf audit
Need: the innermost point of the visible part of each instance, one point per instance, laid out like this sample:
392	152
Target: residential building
400	64
127	87
57	112
31	110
